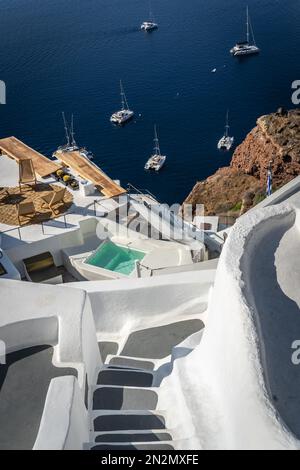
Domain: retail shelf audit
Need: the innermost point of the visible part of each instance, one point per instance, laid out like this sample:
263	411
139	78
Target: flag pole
270	180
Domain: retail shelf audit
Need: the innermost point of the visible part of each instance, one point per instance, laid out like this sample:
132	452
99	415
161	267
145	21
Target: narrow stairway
123	412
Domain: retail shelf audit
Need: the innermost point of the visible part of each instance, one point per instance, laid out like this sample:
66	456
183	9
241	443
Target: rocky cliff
233	190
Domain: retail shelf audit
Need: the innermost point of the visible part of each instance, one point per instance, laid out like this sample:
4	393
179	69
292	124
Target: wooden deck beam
17	150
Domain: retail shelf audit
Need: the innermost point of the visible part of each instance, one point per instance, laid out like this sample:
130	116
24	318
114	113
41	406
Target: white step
147	435
106	397
108	420
159	445
130	362
123	377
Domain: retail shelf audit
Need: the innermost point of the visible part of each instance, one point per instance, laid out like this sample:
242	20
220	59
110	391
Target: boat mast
150	12
156	142
73	143
252	33
227	124
66	129
123	98
248	32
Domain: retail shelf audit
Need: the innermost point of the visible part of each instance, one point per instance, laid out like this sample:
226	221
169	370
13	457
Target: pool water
115	258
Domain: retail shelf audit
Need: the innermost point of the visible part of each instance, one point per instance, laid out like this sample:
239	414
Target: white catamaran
71	145
149	25
156	161
226	142
245	47
125	114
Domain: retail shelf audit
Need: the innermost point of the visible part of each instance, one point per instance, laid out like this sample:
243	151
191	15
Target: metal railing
20	229
97	202
179	268
142	192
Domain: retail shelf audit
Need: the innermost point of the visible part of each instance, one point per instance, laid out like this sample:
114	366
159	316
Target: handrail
65	221
152	270
2	232
96	201
21	228
142	192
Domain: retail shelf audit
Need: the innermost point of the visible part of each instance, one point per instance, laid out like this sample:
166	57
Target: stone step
133	436
130	363
128	421
125	377
124	398
132	446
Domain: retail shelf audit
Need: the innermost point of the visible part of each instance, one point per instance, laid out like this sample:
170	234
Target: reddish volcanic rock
276	138
234	189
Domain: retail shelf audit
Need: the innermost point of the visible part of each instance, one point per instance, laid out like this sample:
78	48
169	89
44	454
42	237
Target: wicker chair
27	175
3	193
26	209
53	199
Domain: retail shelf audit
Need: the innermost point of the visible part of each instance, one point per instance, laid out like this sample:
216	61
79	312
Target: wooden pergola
88	171
17	150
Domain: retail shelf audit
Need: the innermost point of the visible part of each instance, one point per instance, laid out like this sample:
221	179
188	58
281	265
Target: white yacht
125	114
246	47
71	145
149	25
226	142
156	161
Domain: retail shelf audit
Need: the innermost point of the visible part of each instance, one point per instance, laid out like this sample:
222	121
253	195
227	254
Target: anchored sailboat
149	25
157	160
245	47
226	142
125	114
71	145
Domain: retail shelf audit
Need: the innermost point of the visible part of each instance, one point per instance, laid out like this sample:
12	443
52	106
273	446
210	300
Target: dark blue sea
69	55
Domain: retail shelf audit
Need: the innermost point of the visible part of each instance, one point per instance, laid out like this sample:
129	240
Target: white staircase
124	410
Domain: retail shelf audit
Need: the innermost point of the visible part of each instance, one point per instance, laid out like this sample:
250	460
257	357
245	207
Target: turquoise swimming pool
115	258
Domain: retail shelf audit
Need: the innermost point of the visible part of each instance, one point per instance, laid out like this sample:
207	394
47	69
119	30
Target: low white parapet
65	423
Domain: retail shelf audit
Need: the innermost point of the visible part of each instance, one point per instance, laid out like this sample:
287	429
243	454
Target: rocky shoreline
232	190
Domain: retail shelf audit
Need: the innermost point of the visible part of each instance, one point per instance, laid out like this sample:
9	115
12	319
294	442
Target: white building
182	355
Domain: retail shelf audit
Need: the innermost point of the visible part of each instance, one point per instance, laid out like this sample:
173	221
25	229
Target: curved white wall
221	384
128	305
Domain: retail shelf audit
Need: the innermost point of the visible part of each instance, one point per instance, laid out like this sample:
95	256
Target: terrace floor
82	207
10	200
24	382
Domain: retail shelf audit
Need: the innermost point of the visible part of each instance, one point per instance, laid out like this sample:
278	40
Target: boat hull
147	26
225	143
121	117
155	164
247	50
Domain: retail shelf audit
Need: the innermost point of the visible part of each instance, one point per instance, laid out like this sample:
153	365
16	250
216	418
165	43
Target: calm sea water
70	54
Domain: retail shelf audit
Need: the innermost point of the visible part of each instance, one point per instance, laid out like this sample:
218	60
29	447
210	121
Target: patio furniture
41	268
54	198
3	192
26	209
27	175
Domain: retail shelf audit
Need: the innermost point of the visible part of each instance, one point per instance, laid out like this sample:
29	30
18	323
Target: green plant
237	207
259	198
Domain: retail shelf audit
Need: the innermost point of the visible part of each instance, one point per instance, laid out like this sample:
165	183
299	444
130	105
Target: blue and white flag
269	183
